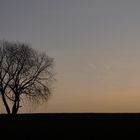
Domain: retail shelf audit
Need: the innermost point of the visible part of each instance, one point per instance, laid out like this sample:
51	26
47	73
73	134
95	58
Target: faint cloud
100	71
94	69
108	68
91	65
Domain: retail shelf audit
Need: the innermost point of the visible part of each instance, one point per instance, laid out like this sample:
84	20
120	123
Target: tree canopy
23	72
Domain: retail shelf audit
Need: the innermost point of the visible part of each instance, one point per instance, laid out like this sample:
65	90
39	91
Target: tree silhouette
24	72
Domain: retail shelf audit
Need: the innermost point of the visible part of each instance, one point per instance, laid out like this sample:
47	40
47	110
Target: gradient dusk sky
95	44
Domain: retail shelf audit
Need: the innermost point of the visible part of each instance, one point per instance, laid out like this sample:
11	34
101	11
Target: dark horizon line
74	113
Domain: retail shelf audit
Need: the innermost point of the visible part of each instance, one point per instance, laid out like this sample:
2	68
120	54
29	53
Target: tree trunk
6	104
15	107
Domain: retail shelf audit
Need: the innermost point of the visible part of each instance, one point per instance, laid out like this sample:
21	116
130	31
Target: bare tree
23	72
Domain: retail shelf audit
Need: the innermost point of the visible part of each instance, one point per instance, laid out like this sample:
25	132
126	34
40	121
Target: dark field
71	126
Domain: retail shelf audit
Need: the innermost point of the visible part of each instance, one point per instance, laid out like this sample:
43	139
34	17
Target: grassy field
71	126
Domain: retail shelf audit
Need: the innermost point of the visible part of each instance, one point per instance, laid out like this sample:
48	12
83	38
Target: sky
95	45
